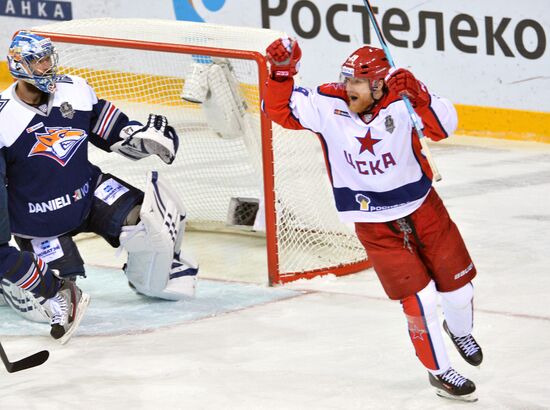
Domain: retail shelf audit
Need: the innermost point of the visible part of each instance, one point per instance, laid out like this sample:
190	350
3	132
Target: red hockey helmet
366	62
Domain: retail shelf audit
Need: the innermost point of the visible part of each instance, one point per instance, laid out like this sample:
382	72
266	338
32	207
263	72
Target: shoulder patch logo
389	124
341	112
67	110
3	103
58	143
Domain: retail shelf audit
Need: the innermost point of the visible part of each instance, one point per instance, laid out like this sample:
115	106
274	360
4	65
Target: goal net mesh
220	153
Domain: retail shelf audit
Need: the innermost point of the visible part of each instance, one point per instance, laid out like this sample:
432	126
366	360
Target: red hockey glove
403	82
283	56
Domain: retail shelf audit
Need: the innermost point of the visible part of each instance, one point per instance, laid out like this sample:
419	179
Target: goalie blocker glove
157	137
283	56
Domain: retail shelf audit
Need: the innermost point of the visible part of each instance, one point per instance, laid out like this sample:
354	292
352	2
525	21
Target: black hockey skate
466	346
66	309
452	385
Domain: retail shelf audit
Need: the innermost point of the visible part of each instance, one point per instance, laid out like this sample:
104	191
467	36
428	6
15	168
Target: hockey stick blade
26	363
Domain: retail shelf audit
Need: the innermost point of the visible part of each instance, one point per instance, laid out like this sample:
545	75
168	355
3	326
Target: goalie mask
366	62
32	58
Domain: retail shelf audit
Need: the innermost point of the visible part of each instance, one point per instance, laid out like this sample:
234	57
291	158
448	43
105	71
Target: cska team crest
58	143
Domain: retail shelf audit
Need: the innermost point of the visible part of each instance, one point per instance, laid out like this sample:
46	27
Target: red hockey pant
435	251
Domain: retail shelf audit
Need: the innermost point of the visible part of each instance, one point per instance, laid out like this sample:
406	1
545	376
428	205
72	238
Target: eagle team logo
58	143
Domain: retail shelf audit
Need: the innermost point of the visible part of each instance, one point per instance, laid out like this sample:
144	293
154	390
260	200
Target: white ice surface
329	343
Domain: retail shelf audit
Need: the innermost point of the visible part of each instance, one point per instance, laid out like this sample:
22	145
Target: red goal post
141	66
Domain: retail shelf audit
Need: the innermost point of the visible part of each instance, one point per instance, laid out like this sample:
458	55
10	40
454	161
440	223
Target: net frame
275	276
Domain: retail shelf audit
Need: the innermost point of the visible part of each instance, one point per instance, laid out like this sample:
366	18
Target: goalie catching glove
284	56
157	137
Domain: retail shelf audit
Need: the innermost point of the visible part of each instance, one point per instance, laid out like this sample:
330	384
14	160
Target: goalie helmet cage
142	66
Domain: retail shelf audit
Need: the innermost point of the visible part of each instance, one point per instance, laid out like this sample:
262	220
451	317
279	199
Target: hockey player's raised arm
289	106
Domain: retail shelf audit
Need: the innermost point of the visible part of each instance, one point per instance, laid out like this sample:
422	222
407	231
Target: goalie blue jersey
50	181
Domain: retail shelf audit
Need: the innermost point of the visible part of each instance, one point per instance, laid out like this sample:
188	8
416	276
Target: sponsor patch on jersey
48	249
58	143
110	190
34	127
465	271
341	112
3	103
59	202
50	205
81	192
363	201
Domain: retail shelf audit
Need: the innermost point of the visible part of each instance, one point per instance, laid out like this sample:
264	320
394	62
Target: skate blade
80	309
470	398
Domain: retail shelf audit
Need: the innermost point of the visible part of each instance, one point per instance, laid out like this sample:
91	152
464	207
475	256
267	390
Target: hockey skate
66	309
466	346
452	385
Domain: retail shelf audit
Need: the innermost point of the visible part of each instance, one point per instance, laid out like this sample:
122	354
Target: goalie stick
417	122
26	363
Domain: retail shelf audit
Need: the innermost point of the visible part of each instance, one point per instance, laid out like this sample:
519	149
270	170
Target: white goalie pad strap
154	244
155	138
24	303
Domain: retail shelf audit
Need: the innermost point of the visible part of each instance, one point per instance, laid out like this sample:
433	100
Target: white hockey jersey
375	164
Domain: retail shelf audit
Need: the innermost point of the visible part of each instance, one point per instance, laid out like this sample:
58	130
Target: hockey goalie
53	192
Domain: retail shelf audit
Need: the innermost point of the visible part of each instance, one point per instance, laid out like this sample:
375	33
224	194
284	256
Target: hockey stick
416	120
26	363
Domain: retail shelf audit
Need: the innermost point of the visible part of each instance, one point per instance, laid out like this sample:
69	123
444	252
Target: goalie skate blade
81	308
470	398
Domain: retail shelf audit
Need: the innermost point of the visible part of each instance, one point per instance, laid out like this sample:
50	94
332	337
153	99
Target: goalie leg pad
24	303
156	267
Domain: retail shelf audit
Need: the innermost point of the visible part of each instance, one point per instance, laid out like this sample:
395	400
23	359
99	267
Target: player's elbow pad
446	113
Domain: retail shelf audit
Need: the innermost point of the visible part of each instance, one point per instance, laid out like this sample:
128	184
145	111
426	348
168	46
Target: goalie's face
363	93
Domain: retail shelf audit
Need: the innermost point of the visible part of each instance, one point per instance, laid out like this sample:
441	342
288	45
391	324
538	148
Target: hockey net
232	160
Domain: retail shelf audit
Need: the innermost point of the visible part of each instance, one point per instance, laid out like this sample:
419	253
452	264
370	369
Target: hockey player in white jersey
383	184
53	192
